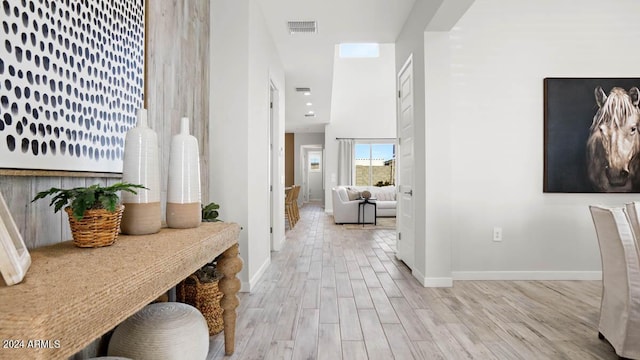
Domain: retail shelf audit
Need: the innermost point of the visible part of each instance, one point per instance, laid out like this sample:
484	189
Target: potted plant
210	212
94	211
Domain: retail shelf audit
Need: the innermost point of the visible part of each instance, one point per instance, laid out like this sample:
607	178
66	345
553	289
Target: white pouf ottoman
162	331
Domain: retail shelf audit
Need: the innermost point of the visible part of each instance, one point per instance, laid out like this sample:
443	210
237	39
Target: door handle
410	192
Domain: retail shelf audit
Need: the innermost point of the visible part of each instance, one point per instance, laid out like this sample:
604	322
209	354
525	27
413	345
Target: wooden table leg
229	264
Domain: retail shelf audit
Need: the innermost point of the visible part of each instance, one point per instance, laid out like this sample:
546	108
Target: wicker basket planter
94	211
98	227
204	296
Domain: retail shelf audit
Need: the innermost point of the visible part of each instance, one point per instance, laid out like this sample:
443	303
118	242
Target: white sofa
345	208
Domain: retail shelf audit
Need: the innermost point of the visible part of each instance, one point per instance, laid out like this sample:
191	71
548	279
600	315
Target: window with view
375	164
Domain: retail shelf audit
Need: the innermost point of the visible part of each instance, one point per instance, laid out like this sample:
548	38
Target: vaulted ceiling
308	57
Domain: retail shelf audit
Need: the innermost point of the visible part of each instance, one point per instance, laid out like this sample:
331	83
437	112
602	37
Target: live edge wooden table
72	296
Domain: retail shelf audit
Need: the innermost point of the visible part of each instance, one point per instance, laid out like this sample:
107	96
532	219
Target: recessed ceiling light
311	112
307	93
309	104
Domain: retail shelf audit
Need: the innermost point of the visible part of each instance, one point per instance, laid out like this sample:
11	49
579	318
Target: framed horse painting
591	139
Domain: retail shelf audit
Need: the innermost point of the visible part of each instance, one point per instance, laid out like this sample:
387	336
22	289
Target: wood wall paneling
178	77
289	155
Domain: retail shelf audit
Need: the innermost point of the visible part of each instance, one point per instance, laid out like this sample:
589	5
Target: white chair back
633	211
620	306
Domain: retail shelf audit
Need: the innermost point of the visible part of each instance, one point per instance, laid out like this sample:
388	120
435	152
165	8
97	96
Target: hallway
339	293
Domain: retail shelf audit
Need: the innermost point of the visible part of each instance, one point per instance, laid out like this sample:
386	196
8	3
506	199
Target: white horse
613	146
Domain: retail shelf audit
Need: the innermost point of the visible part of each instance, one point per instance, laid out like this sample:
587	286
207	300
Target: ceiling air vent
309	115
302	27
303	89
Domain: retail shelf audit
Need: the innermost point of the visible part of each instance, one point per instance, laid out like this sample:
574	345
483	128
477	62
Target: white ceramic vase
142	214
183	186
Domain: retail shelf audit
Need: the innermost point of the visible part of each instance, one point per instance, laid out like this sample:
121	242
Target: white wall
499	53
362	105
244	60
410	42
228	115
264	67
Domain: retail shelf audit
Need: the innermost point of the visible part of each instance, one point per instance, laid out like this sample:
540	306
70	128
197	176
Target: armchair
345	211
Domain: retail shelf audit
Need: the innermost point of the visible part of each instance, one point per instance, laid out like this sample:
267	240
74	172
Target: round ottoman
159	331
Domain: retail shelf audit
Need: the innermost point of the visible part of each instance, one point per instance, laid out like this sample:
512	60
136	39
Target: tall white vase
183	186
142	214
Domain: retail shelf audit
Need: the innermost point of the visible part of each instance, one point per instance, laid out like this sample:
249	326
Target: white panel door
406	211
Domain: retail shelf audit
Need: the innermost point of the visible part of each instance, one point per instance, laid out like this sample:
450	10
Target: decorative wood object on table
229	264
73	296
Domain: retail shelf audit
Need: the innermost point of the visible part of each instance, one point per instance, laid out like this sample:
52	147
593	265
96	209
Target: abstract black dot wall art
71	76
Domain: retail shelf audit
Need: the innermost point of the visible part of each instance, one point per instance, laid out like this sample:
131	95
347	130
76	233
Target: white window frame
370	142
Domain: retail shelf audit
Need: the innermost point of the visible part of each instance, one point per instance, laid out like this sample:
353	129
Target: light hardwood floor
336	293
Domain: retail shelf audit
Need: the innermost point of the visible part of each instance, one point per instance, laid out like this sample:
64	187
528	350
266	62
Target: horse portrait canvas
591	140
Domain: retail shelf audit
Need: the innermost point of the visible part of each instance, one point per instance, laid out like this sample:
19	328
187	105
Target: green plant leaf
209	212
43	194
91	197
212	206
78	213
108	201
59	205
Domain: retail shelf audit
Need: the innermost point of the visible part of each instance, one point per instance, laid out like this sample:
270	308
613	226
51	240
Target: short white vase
183	185
142	214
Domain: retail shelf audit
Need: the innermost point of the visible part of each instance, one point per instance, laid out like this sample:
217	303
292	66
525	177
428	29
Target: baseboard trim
527	275
246	287
432	282
328	212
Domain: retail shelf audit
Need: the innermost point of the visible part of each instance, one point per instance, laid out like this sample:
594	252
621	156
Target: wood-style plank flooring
336	293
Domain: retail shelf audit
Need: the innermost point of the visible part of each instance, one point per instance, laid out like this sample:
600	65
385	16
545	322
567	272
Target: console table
72	296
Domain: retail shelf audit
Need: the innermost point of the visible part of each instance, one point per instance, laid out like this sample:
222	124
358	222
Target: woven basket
97	228
204	296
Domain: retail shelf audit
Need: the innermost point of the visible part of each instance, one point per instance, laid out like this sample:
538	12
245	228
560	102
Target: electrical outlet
497	234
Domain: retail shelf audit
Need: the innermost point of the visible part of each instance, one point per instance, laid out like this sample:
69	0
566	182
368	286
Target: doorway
312	165
314	176
273	167
406	211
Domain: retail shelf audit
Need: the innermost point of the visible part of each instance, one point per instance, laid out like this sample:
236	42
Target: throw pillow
353	194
